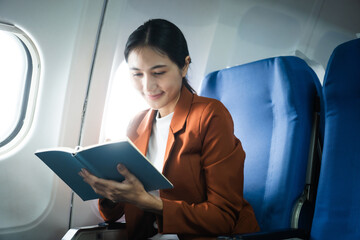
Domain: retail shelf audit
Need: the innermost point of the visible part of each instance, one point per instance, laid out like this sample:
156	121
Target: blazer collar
144	131
181	112
182	109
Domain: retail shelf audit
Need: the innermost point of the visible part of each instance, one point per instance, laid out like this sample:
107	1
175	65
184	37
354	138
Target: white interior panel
35	203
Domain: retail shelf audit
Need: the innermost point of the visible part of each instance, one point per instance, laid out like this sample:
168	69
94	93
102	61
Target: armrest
279	234
119	232
114	225
112	230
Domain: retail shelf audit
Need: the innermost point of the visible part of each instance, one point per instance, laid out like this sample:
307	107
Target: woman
187	137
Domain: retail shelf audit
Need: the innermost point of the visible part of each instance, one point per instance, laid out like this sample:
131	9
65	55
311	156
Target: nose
149	83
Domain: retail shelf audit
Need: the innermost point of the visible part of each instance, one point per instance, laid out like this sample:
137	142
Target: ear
186	66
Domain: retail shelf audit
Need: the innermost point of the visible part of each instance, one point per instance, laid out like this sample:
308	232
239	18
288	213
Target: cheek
178	83
136	83
174	82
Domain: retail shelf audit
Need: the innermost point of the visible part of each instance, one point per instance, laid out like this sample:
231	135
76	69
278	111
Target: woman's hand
130	190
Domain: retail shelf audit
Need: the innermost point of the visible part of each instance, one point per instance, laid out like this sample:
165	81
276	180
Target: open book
101	160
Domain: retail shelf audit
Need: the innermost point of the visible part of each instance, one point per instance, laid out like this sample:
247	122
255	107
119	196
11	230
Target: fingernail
120	166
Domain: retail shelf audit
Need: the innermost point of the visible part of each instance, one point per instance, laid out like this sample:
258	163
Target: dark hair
164	37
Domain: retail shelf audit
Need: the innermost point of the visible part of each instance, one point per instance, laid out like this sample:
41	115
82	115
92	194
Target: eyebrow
152	68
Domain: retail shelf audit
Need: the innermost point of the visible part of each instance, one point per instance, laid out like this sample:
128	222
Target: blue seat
337	210
272	102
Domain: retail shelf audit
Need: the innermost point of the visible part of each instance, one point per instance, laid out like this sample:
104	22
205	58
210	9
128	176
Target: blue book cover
101	160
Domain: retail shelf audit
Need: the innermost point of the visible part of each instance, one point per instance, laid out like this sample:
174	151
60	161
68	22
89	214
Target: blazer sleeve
110	212
222	158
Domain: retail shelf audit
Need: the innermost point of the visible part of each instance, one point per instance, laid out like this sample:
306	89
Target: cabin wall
34	202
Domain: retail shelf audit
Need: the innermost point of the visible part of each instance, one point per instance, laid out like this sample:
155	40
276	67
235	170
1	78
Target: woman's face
157	78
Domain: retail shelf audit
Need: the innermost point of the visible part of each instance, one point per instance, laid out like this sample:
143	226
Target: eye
136	74
159	73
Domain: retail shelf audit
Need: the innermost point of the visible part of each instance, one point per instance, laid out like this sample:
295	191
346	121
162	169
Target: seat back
337	210
272	103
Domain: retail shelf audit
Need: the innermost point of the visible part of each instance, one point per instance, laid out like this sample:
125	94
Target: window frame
30	90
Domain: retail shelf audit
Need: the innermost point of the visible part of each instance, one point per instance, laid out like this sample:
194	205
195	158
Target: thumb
123	171
129	177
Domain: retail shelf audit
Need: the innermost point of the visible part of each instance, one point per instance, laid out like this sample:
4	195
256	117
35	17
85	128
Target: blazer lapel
181	112
144	132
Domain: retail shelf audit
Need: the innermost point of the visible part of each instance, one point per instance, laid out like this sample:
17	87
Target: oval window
19	64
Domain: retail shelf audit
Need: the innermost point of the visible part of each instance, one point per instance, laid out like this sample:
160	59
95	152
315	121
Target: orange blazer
204	161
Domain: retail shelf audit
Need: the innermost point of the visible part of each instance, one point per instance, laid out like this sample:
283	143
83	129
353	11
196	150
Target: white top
156	154
158	140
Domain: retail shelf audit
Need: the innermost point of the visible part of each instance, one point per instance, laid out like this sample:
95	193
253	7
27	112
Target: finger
87	176
84	173
110	189
129	177
123	171
103	187
96	183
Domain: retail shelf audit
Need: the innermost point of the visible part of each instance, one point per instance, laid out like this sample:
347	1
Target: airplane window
16	72
122	103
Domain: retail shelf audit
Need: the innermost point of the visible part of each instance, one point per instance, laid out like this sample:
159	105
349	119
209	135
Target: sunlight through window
13	71
122	104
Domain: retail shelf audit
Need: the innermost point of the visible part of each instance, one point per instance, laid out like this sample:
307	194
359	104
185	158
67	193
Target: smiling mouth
154	96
